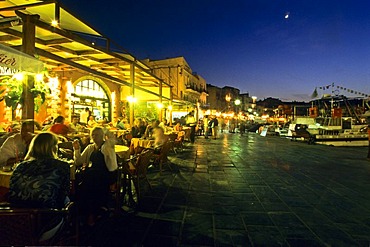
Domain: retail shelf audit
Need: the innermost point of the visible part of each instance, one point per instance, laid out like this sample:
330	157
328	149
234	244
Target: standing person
214	127
84	116
191	122
15	147
100	163
205	126
222	124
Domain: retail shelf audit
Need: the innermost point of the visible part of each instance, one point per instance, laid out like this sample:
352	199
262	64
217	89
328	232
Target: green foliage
13	95
142	110
14	90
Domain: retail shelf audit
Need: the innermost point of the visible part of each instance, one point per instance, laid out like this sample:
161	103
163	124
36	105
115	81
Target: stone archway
92	92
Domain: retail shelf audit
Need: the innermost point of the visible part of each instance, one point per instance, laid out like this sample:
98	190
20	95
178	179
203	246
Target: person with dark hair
135	130
59	127
75	126
100	164
84	116
15	147
214	127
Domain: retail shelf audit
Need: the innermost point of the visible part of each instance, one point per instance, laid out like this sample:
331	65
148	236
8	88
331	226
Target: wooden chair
162	157
65	149
171	138
137	170
24	226
115	189
178	143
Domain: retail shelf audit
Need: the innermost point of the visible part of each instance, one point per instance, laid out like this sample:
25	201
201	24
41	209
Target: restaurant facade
82	69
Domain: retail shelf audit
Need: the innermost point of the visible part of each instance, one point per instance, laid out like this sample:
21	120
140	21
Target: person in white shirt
91	123
15	147
75	126
84	116
100	162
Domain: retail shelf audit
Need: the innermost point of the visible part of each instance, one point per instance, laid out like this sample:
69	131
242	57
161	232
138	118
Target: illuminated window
89	93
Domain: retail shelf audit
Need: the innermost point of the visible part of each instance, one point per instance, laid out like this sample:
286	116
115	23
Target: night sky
267	48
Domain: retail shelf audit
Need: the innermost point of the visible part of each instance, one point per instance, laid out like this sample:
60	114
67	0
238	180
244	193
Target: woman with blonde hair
41	180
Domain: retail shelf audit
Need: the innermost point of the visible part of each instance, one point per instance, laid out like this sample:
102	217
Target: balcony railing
196	89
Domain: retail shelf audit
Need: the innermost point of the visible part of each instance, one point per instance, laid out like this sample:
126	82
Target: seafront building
82	68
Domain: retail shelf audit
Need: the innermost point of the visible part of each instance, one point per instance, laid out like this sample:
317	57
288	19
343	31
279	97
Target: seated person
100	162
135	130
42	168
91	123
59	127
149	129
48	121
177	127
117	123
75	126
42	181
15	147
159	139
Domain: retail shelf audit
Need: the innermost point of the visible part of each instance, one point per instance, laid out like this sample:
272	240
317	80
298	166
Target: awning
19	61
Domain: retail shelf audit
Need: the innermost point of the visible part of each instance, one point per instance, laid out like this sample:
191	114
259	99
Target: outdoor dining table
5	178
141	142
122	151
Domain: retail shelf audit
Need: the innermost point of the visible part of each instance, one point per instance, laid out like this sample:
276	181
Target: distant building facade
189	89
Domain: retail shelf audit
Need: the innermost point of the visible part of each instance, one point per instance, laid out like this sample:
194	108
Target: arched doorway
88	92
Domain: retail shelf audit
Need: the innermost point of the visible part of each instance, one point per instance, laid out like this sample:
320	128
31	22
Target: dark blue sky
246	44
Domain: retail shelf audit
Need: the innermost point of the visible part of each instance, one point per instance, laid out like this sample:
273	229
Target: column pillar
28	47
132	92
160	102
171	107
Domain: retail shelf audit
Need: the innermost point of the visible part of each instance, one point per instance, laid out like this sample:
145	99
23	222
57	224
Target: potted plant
11	91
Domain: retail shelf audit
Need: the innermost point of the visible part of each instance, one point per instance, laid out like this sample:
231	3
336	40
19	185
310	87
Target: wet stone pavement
250	191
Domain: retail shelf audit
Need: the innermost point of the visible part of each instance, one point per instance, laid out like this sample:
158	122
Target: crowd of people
37	161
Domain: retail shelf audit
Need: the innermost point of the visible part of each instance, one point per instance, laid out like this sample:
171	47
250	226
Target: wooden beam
24	6
88	52
5	38
56	41
18	34
89	70
70	35
62	48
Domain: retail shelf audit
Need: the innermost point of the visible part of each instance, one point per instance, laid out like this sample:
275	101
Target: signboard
19	61
8	71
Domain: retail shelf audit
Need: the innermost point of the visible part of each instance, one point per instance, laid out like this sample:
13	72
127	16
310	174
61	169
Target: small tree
142	110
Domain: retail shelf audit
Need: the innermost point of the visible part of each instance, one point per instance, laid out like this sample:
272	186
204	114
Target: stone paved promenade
251	191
